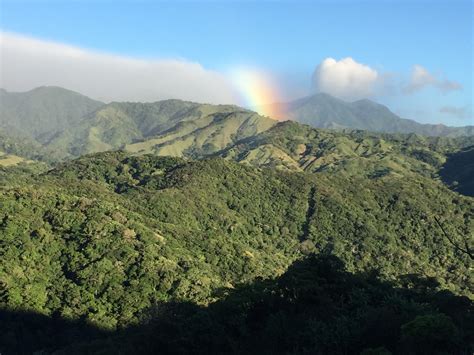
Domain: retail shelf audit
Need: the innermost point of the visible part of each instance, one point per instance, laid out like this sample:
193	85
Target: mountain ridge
43	111
199	211
325	111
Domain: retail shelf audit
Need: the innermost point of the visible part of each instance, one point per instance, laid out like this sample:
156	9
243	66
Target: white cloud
422	78
345	78
26	63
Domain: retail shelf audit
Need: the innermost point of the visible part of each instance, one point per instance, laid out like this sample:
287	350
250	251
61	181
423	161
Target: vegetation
315	307
295	147
42	112
216	230
458	171
108	238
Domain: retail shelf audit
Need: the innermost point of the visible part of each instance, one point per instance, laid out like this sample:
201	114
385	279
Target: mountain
68	124
123	124
170	250
217	230
42	112
325	111
193	131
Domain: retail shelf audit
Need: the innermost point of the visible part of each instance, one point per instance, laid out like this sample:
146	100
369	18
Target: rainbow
259	92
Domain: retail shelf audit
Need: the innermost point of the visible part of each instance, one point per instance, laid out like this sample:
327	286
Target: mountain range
191	130
45	113
179	227
325	111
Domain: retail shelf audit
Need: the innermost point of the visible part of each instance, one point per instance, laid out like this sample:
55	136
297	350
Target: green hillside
119	124
315	307
204	136
295	147
216	230
16	150
107	237
42	112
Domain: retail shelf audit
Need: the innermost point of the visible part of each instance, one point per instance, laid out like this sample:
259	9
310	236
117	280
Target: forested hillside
42	112
178	227
108	237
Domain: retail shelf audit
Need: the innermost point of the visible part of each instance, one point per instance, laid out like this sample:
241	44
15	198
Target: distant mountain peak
44	110
322	110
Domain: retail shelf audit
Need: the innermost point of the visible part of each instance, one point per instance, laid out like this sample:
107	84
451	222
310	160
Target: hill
68	125
18	150
107	237
290	145
350	238
122	124
325	111
42	112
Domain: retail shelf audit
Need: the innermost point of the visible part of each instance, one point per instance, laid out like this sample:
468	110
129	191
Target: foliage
315	307
108	235
42	112
319	241
458	171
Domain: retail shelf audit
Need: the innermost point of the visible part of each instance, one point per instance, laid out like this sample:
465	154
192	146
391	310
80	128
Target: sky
414	56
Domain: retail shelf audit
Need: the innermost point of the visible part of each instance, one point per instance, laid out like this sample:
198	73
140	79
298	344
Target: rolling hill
290	145
67	124
117	125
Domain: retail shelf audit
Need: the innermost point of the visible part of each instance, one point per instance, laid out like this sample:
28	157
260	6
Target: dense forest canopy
196	228
108	237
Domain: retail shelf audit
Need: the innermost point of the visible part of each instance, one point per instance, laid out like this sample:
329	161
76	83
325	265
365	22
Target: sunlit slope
205	135
9	159
120	125
293	146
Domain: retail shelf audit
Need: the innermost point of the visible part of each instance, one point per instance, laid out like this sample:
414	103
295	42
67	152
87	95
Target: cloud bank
422	78
350	80
345	78
27	63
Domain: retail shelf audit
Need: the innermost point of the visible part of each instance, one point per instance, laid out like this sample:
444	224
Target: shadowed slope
316	306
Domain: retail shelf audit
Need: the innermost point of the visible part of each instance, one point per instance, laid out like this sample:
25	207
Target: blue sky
285	38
